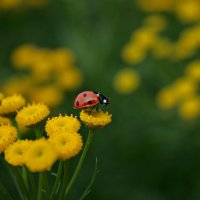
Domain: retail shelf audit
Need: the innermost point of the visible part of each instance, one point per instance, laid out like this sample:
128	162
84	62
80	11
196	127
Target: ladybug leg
97	107
92	108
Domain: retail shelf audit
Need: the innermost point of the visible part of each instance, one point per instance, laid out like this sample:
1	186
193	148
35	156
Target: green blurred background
145	153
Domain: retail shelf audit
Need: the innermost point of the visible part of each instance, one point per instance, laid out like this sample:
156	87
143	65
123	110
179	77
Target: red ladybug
90	99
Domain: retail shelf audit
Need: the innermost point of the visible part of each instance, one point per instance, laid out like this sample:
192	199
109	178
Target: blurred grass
145	154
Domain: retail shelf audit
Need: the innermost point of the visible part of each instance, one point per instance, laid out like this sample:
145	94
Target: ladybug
90	99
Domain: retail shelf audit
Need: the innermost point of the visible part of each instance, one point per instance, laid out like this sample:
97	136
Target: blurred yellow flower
24	56
190	108
4	121
163	48
36	3
126	81
70	79
193	70
10	4
167	98
188	10
144	37
62	59
32	114
184	88
15	153
1	96
11	104
66	144
156	22
155	5
19	85
188	43
40	156
8	134
95	119
50	95
41	67
61	123
133	54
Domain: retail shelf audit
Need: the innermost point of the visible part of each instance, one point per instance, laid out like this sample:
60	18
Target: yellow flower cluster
62	132
51	73
38	155
13	4
183	93
147	38
62	142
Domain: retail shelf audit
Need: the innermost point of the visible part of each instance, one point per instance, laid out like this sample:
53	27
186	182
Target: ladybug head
103	99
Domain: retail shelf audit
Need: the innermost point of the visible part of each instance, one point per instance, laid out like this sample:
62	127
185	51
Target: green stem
21	182
37	133
39	197
80	163
65	180
24	176
32	183
57	179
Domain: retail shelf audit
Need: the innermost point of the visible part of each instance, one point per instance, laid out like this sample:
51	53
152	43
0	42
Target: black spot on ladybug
85	95
77	103
89	102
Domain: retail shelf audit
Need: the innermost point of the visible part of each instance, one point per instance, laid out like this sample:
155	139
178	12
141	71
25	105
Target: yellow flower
20	85
95	119
11	104
188	42
40	156
66	144
184	88
41	67
10	4
156	22
70	79
188	10
133	54
32	114
4	121
8	134
61	123
155	5
163	48
126	81
1	96
193	70
24	56
15	153
62	59
167	98
190	108
49	95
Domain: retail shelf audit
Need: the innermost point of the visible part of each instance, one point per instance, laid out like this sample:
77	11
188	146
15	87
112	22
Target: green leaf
88	189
